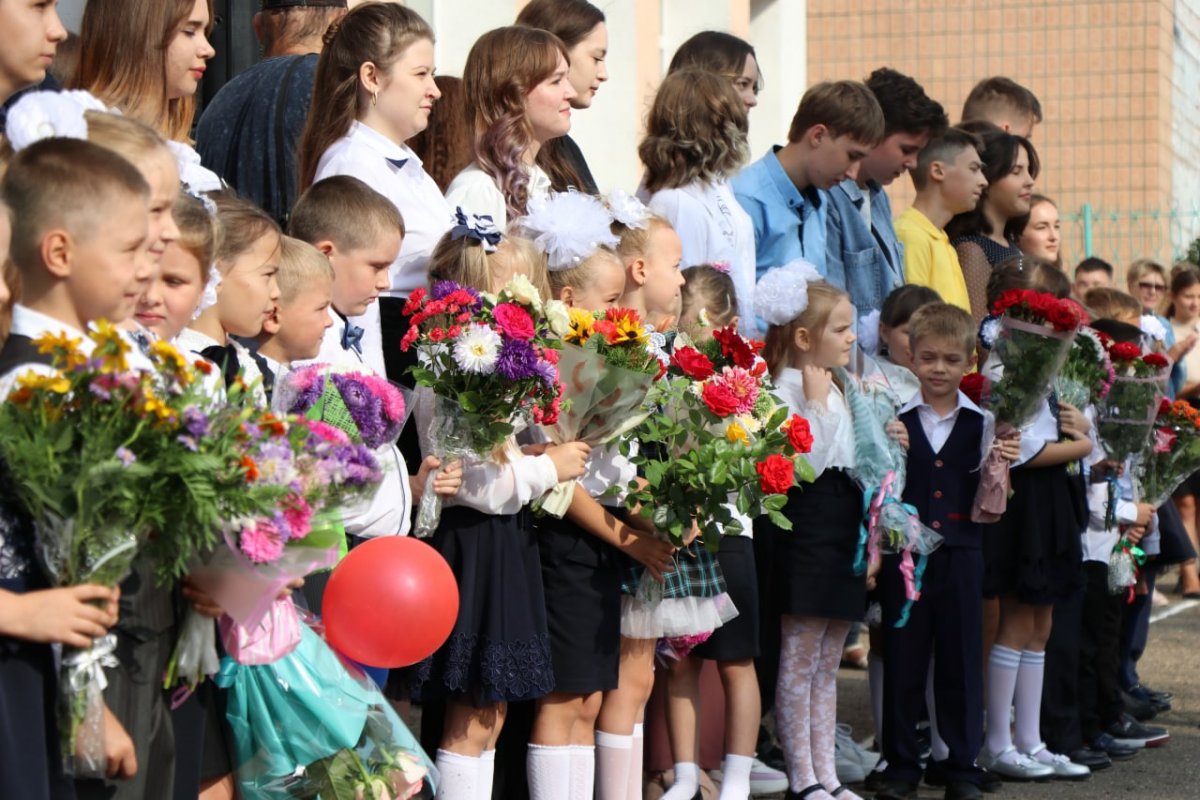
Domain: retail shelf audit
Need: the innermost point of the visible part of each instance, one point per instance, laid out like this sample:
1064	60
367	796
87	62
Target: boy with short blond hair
834	128
297	328
949	180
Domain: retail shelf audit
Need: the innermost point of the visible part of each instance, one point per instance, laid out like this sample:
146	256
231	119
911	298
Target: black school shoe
895	790
1092	759
963	790
1129	728
1141	709
1112	748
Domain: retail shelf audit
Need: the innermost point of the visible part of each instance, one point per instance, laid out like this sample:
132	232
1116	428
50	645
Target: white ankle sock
548	770
487	772
460	776
637	752
583	772
613	755
735	777
1030	677
687	781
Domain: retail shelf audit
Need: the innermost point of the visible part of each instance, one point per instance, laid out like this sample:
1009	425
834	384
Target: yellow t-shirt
930	260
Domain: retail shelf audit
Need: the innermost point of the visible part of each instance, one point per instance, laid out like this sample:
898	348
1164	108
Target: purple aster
195	421
365	408
443	288
547	372
517	360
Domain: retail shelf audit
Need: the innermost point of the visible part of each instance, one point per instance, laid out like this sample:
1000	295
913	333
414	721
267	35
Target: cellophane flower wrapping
606	369
492	359
309	726
1087	374
1172	455
1124	567
1126	417
365	406
718	433
112	461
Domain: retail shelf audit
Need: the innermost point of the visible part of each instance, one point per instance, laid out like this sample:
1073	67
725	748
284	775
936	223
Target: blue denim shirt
788	224
868	263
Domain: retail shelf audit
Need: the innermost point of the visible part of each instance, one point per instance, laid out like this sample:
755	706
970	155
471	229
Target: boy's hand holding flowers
899	433
1009	446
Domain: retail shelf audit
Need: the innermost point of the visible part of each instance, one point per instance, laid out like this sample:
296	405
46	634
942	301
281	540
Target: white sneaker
845	740
1014	766
766	780
1064	768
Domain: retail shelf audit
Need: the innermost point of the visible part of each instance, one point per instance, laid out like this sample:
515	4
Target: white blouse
192	340
487	485
714	228
477	193
832	428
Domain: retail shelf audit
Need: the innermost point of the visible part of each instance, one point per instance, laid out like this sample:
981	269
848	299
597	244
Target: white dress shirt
714	228
938	427
477	193
832	428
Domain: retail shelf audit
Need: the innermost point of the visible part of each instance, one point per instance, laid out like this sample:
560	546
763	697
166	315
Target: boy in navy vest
945	431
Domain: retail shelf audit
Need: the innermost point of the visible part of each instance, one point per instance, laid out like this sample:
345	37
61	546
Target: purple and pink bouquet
367	407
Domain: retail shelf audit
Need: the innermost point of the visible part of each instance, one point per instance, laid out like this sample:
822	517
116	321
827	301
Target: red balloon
391	602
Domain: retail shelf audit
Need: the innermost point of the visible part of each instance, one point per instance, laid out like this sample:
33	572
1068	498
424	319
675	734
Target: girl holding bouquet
1032	557
810	335
499	650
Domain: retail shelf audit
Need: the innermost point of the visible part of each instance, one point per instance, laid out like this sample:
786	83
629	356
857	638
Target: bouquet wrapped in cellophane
112	461
1029	334
606	368
1087	374
310	726
719	442
1172	455
1126	416
490	361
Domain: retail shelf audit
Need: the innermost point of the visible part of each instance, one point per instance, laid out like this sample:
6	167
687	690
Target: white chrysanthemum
558	317
988	331
749	422
569	227
1152	326
782	294
477	348
45	115
868	333
520	289
628	210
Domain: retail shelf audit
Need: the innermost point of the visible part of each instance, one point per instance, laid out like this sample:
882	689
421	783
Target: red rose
1156	360
1079	310
719	399
799	434
1124	351
1164	406
776	475
1063	317
972	386
693	363
738	349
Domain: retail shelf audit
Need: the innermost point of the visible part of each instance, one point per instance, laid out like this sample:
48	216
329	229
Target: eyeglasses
1145	286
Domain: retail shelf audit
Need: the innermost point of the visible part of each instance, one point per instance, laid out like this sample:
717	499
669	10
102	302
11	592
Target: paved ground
1171	772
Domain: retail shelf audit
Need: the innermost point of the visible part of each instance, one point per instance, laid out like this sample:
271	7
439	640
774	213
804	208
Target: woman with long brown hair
154	84
517	79
726	55
580	26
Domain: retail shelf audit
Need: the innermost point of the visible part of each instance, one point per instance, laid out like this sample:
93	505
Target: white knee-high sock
613	754
687	781
941	751
875	685
735	777
1030	676
460	776
548	770
1003	664
583	772
636	754
487	773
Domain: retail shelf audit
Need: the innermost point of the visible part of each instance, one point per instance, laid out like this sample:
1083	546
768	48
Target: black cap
271	5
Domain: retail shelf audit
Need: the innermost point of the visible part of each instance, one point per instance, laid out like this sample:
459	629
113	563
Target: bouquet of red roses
1126	417
721	443
1030	335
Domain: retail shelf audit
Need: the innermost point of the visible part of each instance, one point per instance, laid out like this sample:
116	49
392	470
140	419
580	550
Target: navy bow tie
398	163
352	338
225	357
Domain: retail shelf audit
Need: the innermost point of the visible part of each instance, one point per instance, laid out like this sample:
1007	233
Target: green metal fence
1119	237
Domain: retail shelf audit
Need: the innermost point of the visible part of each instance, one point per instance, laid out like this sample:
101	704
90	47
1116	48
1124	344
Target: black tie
268	374
225	357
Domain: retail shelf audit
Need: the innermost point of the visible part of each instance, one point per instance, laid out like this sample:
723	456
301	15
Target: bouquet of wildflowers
1087	374
110	461
1126	417
1029	334
607	366
490	361
720	443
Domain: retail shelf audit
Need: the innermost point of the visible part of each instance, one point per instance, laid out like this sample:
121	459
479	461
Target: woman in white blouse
374	91
516	83
695	140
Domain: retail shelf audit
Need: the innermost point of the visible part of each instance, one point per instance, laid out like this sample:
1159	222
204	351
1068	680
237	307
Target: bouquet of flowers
1087	374
721	442
607	366
111	461
366	407
490	360
1173	453
1127	414
1030	334
309	726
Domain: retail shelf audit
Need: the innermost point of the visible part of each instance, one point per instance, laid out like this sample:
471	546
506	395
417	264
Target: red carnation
1124	351
692	363
799	434
719	399
776	475
972	386
1156	360
1164	406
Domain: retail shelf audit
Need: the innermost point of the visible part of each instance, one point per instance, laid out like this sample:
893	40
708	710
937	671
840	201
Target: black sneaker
896	790
934	774
1129	728
1112	748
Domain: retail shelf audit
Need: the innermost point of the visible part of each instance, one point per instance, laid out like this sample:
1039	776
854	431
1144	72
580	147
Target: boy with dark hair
945	430
949	180
1092	273
863	255
1004	103
833	130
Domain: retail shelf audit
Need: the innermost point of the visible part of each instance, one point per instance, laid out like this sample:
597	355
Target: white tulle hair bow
47	115
569	227
781	294
628	210
209	298
196	179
